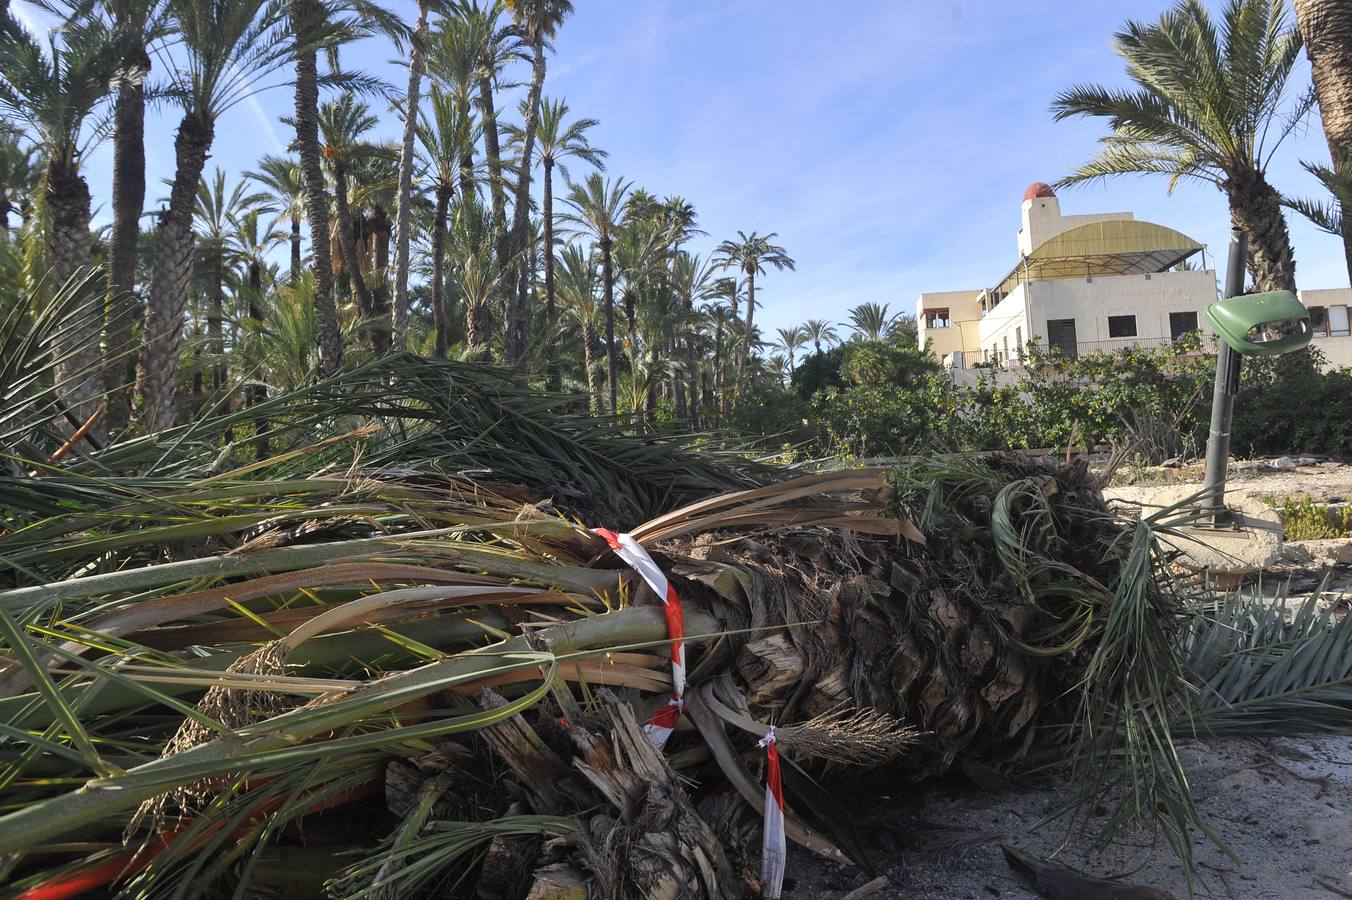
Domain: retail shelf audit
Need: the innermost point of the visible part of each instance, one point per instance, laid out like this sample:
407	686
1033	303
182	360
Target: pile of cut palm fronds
399	683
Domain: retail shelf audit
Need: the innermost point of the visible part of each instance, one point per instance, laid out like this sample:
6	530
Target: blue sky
888	144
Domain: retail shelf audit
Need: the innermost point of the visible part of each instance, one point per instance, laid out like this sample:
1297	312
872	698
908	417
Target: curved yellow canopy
1112	247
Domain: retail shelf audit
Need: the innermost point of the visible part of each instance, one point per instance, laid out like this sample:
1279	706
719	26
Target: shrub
1309	521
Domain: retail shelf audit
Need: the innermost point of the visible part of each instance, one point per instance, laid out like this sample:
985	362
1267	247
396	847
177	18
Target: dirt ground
1283	806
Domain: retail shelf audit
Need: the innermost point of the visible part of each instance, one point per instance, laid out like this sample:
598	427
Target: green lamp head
1266	324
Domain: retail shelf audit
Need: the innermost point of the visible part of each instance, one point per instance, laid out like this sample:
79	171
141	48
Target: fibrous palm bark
518	309
347	242
171	269
608	284
1256	208
306	16
129	191
403	216
439	313
1326	26
79	365
553	379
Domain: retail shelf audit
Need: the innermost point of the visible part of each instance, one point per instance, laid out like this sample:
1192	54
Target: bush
1310	521
1286	405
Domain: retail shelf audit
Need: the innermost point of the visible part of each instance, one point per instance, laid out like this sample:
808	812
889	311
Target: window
1338	320
1319	320
1018	340
1121	326
1061	336
936	318
1006	359
1182	324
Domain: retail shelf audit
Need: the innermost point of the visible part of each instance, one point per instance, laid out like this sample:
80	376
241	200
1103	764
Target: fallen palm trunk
896	622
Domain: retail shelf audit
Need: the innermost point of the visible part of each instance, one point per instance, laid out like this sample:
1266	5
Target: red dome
1038	189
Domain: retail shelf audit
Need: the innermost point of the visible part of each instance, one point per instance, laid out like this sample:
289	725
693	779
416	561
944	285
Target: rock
1297	552
1337	551
1246	465
1306	461
1172	462
1282	463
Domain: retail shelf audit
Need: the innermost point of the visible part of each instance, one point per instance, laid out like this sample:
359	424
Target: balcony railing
985	359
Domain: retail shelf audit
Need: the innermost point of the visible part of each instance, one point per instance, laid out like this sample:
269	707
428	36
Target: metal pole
1223	394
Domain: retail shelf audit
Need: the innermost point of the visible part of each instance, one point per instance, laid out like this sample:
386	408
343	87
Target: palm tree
52	93
577	290
475	37
403	218
598	210
559	140
641	253
453	61
750	254
134	27
474	272
870	321
538	22
446	137
18	174
281	177
1326	26
216	216
790	339
342	123
819	332
1205	107
321	25
690	281
250	242
230	49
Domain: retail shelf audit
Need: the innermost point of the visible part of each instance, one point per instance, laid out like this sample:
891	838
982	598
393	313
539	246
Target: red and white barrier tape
773	847
663	722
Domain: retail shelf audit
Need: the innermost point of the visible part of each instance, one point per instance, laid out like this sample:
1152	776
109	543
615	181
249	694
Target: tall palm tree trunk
478	329
439	317
295	249
608	281
496	188
553	379
518	312
129	193
720	371
382	236
258	391
746	336
78	359
305	18
1326	26
215	315
347	243
170	270
1256	208
493	150
593	376
403	217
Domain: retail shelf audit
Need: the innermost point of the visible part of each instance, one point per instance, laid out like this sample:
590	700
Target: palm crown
1206	106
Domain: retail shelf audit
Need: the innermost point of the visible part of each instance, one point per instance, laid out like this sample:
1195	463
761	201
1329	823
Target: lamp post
1266	324
1228	362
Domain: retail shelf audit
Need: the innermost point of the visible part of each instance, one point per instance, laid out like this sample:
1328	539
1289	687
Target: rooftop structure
1080	283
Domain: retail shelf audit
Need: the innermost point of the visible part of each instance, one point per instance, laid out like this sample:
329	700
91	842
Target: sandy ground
1324	481
1283	806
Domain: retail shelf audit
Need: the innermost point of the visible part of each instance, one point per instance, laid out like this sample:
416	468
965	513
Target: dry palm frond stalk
954	610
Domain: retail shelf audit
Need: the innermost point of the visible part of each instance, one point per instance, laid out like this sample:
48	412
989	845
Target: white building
1082	283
